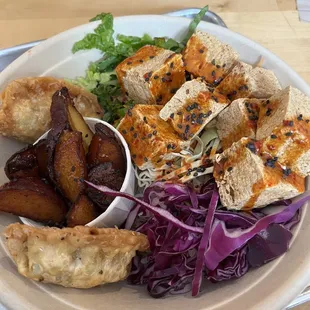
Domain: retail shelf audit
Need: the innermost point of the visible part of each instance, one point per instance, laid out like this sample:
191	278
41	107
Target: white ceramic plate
270	287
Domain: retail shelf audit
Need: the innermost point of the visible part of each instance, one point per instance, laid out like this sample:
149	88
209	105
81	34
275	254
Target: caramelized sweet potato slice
82	212
105	148
42	158
78	123
104	174
34	199
70	164
22	164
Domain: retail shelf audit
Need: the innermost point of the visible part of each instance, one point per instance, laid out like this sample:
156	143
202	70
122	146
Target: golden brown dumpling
80	257
25	108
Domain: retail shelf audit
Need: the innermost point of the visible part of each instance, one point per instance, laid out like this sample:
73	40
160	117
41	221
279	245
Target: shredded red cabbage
192	237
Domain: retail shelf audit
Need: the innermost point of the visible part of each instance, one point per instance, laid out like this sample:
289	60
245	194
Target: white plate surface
270	287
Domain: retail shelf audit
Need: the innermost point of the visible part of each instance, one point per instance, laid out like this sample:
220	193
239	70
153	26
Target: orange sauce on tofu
235	86
144	54
246	127
147	135
167	80
195	60
189	119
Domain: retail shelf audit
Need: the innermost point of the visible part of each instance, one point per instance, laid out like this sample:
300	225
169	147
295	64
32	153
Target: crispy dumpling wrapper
25	106
80	257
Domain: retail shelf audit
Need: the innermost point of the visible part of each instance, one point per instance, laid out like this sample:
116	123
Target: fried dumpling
80	257
25	106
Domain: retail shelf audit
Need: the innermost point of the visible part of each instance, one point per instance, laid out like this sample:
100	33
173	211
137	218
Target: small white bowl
118	210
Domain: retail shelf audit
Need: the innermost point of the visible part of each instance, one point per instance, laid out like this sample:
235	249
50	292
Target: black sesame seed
270	162
268	112
287	171
193	115
267	101
251	147
179	113
156	77
101	272
173	146
169	146
151	57
201	51
213	73
134	156
196	174
195	105
290	123
299	117
163	80
171	65
129	62
234	93
150	74
200	115
218	66
187	118
199	121
253	117
273	136
155	132
229	169
135	135
186	128
86	135
73	168
129	113
144	119
168	73
180	126
191	135
188	174
62	238
146	79
131	128
172	115
141	60
224	65
188	108
159	98
187	91
145	159
214	98
213	62
289	133
124	131
307	121
173	90
149	135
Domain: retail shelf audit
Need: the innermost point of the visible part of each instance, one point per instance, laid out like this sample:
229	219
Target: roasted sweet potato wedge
105	148
42	158
104	174
22	164
82	212
34	199
70	164
78	123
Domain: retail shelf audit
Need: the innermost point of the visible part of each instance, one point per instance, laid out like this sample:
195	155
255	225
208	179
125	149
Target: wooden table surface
272	23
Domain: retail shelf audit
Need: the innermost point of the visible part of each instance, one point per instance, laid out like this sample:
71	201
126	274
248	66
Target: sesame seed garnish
187	118
129	113
86	136
186	128
129	62
163	79
273	136
73	168
168	73
169	146
150	74
145	159
171	65
234	93
251	147
213	73
214	98
201	51
267	101
193	115
156	77
134	155
218	66
141	60
173	146
299	117
307	121
196	174
213	62
187	91
179	113
191	135
135	135
268	112
155	132
180	126
144	119
287	172
146	79
151	57
229	169
159	98
173	90
188	108
172	115
124	131
289	133
290	123
131	128
149	135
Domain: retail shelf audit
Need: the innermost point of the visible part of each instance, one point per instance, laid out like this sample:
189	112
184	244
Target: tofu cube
284	127
205	56
249	179
244	81
152	75
192	108
238	120
150	139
